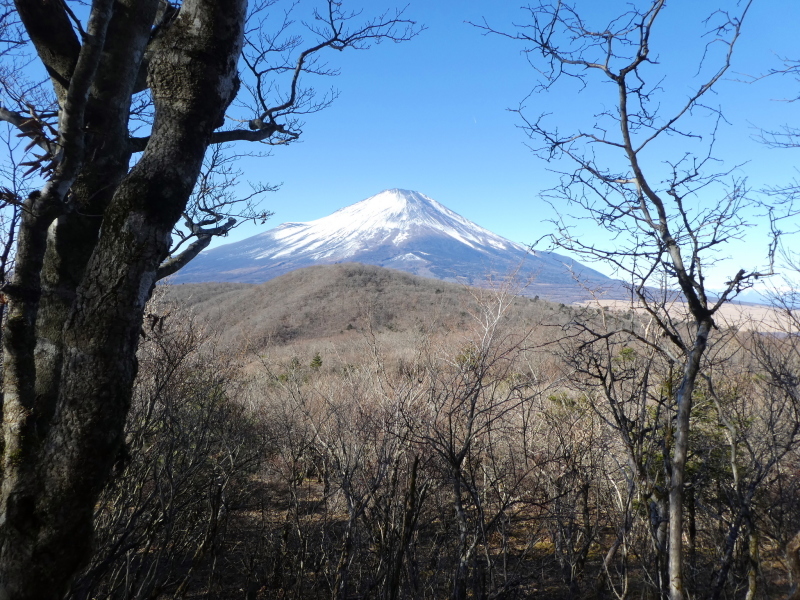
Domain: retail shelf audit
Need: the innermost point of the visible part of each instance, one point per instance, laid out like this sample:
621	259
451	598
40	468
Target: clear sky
432	115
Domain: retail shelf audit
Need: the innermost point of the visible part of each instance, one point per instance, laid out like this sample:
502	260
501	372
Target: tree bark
67	395
678	463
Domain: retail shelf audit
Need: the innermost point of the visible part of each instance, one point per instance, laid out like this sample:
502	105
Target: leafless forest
442	442
350	432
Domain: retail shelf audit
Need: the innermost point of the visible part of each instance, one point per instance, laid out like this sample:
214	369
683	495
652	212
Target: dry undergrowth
444	445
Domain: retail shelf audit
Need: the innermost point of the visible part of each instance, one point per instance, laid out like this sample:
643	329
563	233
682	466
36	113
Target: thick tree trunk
73	236
65	403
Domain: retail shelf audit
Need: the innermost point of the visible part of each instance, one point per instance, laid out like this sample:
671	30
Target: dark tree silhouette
94	238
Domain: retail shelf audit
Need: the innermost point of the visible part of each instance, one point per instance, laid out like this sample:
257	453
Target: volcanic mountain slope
402	230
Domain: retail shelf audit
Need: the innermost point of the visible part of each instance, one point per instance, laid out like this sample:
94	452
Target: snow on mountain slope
391	217
396	228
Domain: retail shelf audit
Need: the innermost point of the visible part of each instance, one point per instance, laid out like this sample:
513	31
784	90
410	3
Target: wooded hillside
406	438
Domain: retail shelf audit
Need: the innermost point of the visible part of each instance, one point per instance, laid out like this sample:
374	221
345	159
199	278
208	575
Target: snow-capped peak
390	217
400	229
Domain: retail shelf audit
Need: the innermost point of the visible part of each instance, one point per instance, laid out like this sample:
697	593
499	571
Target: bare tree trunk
464	548
691	553
604	577
680	454
727	559
753	560
410	514
342	568
62	430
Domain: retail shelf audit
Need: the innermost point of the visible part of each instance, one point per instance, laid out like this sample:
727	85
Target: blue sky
432	115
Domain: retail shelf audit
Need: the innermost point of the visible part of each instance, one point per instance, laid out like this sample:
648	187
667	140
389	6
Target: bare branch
271	56
204	236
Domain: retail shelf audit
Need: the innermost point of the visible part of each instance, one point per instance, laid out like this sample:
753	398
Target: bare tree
93	238
191	451
470	395
666	221
620	378
217	205
780	364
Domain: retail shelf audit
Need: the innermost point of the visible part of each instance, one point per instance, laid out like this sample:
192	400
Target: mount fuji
397	229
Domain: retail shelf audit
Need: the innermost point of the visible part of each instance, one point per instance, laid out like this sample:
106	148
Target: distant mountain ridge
398	229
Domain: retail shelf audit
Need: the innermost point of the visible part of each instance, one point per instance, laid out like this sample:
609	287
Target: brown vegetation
312	307
474	445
